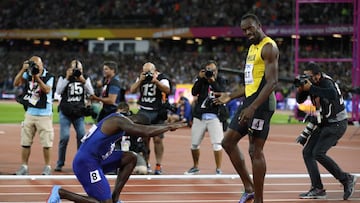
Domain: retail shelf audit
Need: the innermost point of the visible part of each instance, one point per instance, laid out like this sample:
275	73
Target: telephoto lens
308	129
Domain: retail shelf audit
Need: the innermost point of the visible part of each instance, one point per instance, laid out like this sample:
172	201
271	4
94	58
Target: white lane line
176	192
168	185
161	177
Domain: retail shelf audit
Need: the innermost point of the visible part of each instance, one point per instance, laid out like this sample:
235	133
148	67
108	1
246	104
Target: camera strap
32	82
107	82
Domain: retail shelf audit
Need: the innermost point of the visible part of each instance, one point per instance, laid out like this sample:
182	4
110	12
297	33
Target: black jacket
151	96
332	106
204	92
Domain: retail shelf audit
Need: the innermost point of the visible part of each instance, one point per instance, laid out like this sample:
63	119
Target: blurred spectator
177	13
180	62
183	113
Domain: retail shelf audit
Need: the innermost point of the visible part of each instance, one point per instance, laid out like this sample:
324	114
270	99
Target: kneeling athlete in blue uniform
97	156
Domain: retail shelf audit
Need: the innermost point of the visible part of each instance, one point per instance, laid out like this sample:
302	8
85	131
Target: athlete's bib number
249	79
257	124
95	176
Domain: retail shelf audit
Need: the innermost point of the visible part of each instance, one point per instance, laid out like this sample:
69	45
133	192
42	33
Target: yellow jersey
255	67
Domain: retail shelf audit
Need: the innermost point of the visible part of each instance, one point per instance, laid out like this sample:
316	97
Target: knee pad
217	147
195	146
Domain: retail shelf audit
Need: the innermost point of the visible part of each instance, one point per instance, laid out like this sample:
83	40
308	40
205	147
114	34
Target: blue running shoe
54	195
246	196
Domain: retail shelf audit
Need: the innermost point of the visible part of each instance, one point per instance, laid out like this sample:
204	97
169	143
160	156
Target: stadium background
176	35
181	34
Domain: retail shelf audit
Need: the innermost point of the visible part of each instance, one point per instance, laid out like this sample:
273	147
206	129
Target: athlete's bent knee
226	144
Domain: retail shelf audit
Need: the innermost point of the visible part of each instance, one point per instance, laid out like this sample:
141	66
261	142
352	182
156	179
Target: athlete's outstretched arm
120	123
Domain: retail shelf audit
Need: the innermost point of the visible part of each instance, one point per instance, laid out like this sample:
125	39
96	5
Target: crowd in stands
181	66
181	62
59	14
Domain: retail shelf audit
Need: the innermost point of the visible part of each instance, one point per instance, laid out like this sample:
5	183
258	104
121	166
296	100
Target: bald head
149	67
37	60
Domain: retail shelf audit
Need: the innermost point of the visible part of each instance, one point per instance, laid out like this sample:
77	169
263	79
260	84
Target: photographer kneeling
73	88
331	124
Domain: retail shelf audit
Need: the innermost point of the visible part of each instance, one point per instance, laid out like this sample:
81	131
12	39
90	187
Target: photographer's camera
306	133
301	80
209	73
76	72
88	111
148	76
33	68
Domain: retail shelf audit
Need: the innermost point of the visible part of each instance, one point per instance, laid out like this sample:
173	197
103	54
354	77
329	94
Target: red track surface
283	156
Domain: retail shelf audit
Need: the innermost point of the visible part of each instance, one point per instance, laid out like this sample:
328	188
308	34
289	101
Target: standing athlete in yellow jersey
253	117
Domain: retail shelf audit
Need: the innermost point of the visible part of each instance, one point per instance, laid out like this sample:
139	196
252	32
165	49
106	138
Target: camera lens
33	69
209	73
148	76
76	72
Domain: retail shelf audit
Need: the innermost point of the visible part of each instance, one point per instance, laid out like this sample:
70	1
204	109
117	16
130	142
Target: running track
286	176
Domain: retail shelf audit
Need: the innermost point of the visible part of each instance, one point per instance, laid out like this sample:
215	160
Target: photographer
73	89
324	132
111	94
38	100
154	90
206	115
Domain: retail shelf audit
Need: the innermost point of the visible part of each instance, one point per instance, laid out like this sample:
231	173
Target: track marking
168	185
160	177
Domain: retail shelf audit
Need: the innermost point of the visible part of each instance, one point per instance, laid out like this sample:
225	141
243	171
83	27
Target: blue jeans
65	123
